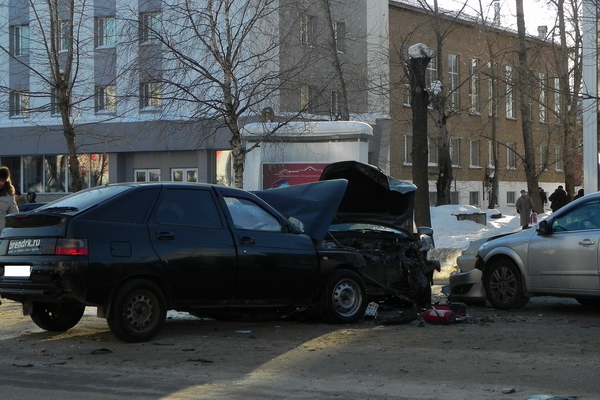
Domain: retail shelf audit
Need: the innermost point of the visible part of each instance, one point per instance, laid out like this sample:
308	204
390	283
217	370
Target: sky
536	12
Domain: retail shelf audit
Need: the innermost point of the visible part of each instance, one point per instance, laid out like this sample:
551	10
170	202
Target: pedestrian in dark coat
543	197
558	199
524	206
579	194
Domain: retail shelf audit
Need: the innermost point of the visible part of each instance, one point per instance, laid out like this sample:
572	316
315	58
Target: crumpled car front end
375	217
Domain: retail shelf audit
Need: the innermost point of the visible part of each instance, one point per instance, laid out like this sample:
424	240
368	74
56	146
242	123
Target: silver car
559	257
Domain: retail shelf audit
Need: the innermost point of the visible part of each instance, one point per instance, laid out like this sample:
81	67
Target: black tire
346	297
589	301
137	312
56	317
504	285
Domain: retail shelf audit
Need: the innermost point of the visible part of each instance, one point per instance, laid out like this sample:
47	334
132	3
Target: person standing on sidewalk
524	206
7	198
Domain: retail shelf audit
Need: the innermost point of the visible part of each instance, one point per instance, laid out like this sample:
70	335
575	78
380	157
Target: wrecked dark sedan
375	217
136	250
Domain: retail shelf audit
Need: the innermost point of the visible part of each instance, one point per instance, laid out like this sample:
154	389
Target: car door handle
246	240
587	242
165	235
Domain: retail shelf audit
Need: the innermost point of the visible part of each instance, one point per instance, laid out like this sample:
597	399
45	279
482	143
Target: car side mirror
297	224
543	228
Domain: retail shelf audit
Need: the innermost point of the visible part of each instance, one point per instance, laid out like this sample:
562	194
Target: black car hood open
372	196
314	204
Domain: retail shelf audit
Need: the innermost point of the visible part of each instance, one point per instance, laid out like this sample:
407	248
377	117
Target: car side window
188	207
248	215
587	216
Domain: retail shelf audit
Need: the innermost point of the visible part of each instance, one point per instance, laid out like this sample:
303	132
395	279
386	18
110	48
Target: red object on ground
439	316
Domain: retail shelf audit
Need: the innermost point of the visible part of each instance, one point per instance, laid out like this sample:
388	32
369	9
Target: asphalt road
549	347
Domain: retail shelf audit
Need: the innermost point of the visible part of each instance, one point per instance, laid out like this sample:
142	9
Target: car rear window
86	198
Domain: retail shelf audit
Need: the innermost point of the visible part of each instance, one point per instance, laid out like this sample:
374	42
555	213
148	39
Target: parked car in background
559	257
137	250
30	206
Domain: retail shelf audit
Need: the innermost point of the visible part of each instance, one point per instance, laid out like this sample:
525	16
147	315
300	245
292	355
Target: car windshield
84	199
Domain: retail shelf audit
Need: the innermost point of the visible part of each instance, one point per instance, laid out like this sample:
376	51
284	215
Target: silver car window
586	216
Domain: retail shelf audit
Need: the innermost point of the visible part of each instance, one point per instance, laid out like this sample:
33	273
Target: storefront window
33	173
54	174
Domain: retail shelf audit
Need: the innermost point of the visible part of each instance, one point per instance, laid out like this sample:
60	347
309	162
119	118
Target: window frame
149	174
151	96
474	89
105	101
20	40
511	155
185	174
19	104
339	30
150	26
454	81
105	31
510	93
308	30
474	153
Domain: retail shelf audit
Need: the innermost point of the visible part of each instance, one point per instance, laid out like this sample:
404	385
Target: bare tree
524	88
569	65
55	60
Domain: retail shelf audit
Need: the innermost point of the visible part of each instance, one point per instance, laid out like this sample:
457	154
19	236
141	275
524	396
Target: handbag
533	218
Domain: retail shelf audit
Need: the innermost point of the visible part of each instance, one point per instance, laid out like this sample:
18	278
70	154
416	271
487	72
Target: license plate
17	271
24	246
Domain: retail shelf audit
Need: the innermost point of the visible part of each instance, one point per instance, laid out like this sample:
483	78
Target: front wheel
138	311
57	316
504	285
346	297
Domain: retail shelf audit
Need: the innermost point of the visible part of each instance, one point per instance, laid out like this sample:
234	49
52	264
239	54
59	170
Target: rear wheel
504	285
346	296
57	316
138	311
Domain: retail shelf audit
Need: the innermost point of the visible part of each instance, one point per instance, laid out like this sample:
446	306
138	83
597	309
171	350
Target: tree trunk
524	88
419	101
337	66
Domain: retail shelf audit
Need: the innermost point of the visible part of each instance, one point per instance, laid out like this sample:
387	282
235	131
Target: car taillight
71	247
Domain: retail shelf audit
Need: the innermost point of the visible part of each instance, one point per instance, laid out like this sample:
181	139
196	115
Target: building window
19	40
542	99
455	151
511	155
432	156
339	28
406	95
184	174
151	95
511	197
308	30
408	144
150	26
308	99
66	35
474	86
431	74
453	82
146	175
106	98
335	105
105	32
510	95
19	104
474	198
474	153
491	163
559	164
544	156
557	100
